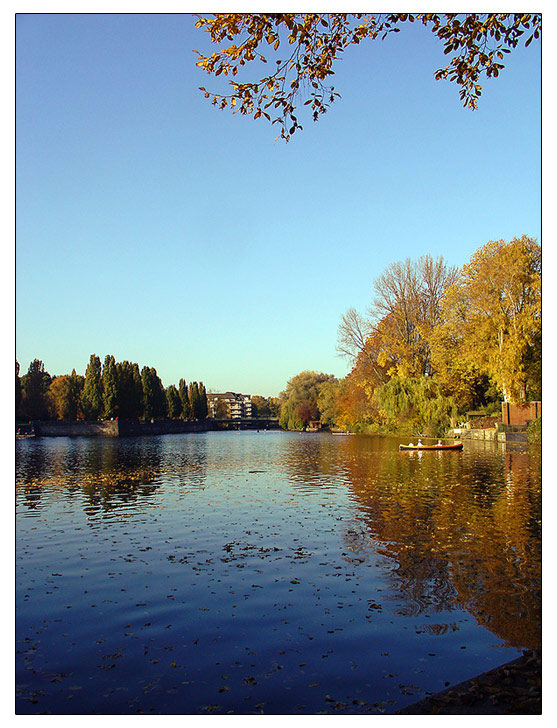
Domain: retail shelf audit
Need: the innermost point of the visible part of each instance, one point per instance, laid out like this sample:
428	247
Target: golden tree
64	396
355	405
492	315
395	336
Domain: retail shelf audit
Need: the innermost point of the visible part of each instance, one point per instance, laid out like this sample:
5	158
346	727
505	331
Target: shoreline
126	428
514	688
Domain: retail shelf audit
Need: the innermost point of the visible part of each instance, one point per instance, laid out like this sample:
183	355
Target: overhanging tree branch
476	42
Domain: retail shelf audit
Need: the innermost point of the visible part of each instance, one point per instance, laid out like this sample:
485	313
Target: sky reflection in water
268	572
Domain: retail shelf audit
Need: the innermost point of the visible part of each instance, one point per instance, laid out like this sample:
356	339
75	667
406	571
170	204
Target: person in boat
420	442
439	443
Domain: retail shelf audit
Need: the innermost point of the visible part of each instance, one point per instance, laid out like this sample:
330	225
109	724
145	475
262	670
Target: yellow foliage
316	40
492	315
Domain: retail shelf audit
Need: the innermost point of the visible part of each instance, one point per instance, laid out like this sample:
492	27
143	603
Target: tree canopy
113	390
174	403
415	403
184	399
154	395
265	406
492	316
394	338
476	44
299	400
35	386
92	395
65	394
437	341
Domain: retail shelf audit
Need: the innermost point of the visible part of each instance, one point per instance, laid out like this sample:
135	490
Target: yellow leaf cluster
476	43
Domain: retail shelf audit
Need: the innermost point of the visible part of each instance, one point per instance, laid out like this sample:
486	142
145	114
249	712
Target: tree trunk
503	384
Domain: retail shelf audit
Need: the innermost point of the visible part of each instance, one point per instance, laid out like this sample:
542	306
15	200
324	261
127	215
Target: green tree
221	409
265	406
174	403
35	386
58	396
138	392
475	43
193	395
203	407
288	418
77	383
299	399
260	406
130	390
274	406
148	393
183	391
327	401
198	400
160	397
110	388
92	395
415	404
154	396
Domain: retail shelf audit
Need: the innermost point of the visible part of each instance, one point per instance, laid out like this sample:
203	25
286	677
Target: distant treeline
115	389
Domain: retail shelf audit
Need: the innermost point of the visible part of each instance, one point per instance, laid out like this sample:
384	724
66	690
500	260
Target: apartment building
229	405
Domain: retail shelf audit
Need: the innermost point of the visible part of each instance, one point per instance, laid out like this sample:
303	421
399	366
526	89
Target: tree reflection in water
456	528
111	473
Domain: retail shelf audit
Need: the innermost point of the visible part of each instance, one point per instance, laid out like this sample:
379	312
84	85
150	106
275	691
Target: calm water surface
270	572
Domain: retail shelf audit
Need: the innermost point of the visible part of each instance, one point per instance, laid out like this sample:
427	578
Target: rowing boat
457	446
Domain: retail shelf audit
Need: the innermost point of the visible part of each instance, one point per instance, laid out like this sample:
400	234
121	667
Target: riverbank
496	432
512	689
131	428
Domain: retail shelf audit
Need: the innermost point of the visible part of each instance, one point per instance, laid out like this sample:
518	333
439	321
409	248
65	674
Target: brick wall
520	414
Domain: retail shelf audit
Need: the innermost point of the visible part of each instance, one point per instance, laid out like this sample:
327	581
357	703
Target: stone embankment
509	427
131	428
493	431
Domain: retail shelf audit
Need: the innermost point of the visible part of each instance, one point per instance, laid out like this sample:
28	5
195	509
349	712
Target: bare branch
353	331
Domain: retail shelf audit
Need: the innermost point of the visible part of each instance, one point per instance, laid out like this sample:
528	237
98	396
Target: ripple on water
249	573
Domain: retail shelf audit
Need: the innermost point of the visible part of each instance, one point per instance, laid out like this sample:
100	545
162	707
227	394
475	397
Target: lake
268	572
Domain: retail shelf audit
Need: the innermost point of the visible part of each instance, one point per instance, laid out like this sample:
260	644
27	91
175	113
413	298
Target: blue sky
156	228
